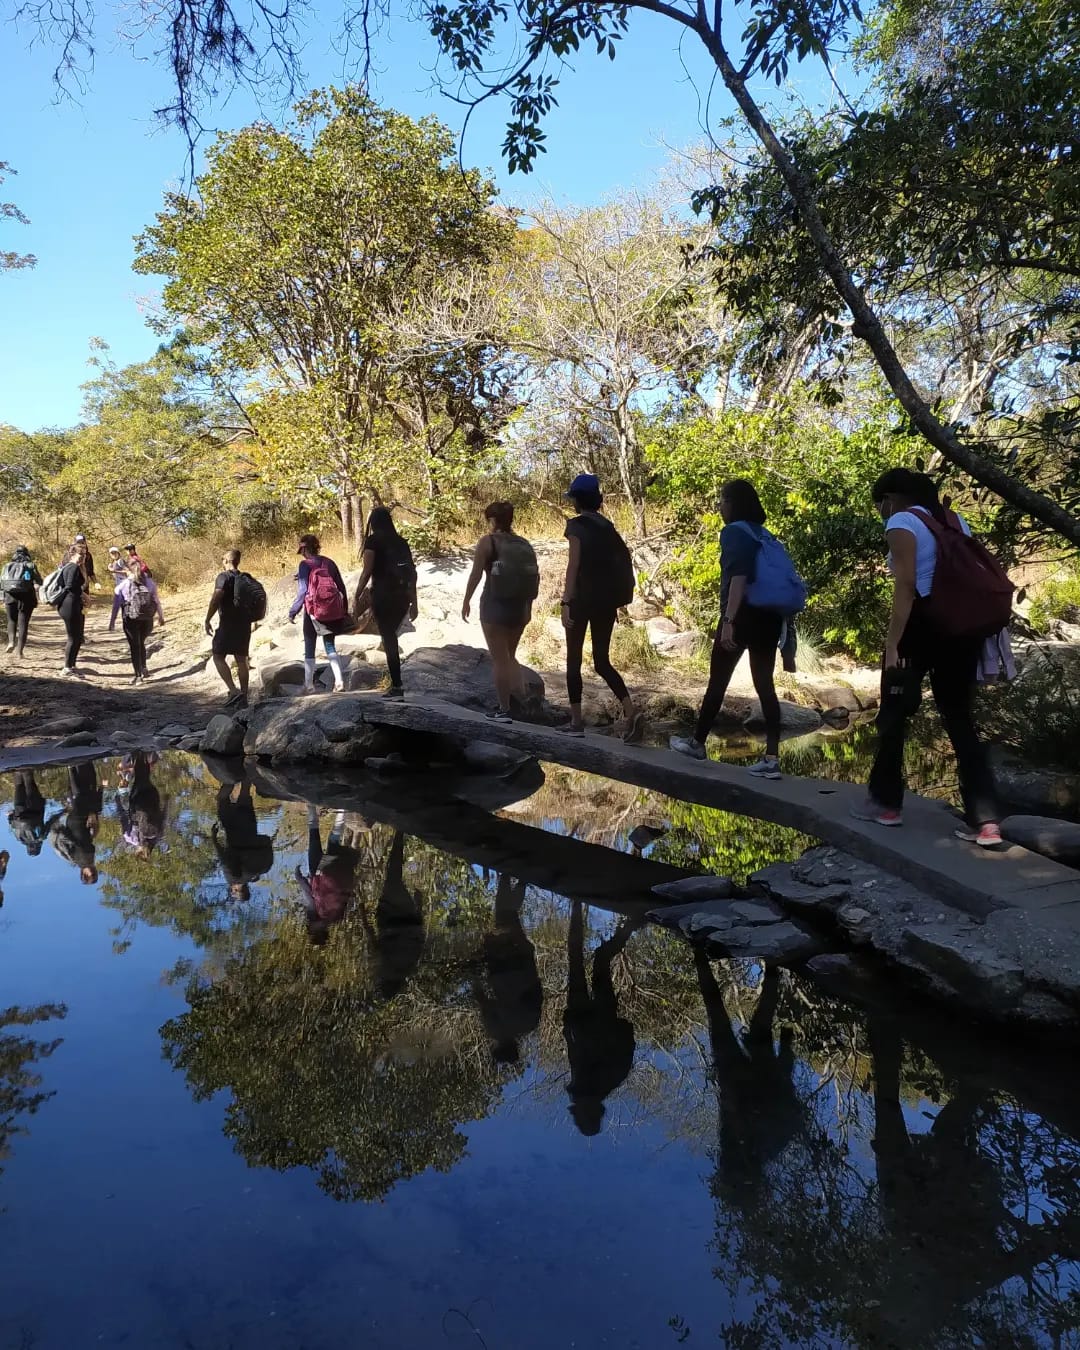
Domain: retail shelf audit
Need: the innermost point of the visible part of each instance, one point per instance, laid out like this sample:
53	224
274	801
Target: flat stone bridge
924	851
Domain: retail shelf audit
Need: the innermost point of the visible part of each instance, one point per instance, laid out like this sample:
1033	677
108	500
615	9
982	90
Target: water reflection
358	1008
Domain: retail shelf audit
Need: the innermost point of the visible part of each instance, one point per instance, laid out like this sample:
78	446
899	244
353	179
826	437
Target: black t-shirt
392	573
228	614
74	585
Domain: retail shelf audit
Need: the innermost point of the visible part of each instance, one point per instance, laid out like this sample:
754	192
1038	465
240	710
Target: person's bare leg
501	666
221	665
517	675
243	674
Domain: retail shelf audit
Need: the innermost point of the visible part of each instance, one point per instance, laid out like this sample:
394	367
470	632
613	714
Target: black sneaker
498	716
396	693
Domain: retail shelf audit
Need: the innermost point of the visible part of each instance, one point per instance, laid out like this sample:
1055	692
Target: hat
129	548
308	541
80	538
584	482
114	549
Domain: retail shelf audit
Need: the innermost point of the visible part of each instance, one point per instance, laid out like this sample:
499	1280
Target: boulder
363	676
695	889
1057	839
793	717
462	675
778	943
79	738
358	644
828	695
65	725
190	743
659	628
273	674
779	881
174	730
224	735
1030	789
642	610
697	919
979	973
756	911
641	836
678	644
330	730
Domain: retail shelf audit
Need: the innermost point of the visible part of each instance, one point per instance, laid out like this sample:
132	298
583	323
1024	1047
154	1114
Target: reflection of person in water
599	1043
246	854
397	940
511	996
73	831
142	815
331	881
27	814
760	1112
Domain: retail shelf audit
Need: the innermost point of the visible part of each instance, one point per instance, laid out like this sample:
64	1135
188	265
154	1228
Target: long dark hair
380	522
743	501
918	488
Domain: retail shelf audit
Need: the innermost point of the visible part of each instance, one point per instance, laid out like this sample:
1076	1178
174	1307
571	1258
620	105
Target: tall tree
289	264
9	260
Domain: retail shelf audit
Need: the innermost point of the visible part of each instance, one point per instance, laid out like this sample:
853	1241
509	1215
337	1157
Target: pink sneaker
880	815
987	835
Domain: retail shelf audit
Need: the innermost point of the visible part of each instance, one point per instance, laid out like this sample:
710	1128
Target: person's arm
573	566
151	586
480	562
902	548
336	574
736	595
365	575
738	554
301	589
213	607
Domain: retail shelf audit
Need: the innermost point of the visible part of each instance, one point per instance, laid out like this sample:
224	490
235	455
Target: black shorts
233	640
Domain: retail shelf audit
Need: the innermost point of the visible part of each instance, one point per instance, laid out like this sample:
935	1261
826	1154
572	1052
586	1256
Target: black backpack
398	572
615	586
17	578
249	597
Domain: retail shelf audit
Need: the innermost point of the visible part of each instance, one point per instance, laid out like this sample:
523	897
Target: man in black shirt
233	636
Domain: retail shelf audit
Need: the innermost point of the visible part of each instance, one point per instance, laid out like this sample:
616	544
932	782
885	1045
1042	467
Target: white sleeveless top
925	544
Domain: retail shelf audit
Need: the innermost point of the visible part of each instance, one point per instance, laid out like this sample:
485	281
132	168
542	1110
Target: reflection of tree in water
325	1070
20	1083
958	1232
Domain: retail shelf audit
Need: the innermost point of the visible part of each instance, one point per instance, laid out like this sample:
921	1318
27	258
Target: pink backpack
323	601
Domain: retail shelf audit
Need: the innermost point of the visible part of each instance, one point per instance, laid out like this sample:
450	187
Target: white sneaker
766	767
687	745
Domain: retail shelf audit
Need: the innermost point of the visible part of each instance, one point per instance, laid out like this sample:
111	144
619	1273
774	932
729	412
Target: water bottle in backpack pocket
776	585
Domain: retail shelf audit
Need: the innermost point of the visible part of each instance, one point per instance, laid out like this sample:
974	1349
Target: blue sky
91	173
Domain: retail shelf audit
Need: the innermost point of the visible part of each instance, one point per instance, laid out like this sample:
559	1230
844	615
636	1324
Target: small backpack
323	601
514	572
249	597
971	594
776	585
17	578
53	589
139	604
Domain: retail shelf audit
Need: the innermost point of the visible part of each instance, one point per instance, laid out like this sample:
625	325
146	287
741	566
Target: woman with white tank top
914	648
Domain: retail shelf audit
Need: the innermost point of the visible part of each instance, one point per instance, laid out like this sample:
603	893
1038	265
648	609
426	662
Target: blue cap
584	482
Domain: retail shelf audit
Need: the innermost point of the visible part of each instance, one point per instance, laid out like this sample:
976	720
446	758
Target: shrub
1057	598
1038	715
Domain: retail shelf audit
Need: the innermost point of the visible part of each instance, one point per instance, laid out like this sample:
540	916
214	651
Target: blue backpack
776	584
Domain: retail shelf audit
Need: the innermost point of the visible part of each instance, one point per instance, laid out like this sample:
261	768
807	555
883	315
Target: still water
286	1077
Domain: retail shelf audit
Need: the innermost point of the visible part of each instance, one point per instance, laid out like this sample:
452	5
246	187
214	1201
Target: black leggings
18	621
952	664
602	625
70	610
137	631
388	617
756	630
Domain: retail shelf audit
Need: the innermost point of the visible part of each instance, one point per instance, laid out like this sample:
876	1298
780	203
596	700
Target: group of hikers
68	588
949	598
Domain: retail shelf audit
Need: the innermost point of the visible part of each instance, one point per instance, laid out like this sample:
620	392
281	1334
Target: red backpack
323	601
970	595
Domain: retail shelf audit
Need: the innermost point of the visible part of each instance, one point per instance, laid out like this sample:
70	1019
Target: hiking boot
988	835
633	730
880	815
395	693
689	746
499	716
766	767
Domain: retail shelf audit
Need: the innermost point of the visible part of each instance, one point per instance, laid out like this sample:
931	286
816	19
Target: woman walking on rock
19	580
321	594
599	581
391	573
71	608
744	627
512	580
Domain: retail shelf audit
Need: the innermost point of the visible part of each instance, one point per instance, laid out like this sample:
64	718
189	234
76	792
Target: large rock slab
695	889
975	968
328	729
824	896
224	736
462	675
1058	839
793	717
486	757
752	929
1031	789
785	943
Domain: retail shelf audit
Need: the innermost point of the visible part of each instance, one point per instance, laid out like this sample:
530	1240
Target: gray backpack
53	589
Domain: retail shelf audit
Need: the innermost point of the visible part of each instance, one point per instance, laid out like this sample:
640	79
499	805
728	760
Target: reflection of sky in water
787	1196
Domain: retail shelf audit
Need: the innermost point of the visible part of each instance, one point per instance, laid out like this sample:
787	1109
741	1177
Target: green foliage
20	1083
814	482
302	261
1056	598
1038	714
9	260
